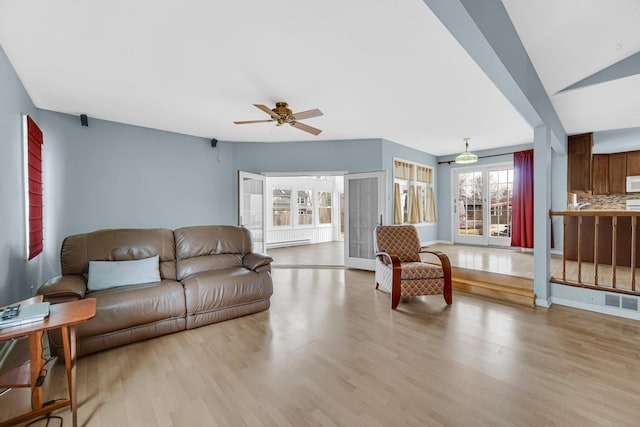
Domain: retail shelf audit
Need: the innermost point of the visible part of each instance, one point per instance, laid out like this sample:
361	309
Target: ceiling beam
483	28
630	66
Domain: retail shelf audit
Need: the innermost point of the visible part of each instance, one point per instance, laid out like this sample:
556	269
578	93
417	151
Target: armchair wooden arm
446	267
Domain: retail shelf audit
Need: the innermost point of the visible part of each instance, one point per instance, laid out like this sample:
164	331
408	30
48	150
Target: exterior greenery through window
414	202
281	206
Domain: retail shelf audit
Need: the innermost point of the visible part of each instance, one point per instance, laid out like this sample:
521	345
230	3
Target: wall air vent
630	303
612	300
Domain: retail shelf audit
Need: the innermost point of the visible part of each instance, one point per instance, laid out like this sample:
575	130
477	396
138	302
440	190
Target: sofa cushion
210	247
212	290
130	306
123	244
111	274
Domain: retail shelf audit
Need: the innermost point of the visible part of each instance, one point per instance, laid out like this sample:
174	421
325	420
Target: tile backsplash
611	203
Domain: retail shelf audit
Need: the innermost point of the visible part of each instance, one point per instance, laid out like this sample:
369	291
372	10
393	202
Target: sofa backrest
122	244
210	247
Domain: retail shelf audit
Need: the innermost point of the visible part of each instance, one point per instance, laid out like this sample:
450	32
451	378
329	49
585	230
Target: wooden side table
64	316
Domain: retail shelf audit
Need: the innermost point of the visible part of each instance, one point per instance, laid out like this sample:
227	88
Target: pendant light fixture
466	157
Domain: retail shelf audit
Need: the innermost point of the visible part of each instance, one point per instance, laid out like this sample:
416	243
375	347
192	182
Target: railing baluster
595	250
614	231
633	252
564	247
601	241
580	249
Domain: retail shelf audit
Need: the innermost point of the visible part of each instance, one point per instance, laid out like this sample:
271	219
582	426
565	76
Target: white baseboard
597	308
436	242
541	302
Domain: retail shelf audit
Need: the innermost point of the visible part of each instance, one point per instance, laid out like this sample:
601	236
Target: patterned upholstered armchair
401	272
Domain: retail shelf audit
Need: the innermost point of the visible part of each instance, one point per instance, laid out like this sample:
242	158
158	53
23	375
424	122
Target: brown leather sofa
208	274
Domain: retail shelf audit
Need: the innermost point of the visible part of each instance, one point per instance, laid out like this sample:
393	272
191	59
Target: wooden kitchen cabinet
609	174
579	162
618	173
600	174
633	163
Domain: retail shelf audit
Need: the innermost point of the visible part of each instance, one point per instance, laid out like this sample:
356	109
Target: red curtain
34	165
522	207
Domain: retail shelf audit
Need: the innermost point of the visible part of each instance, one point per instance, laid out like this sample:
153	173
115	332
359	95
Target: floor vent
630	303
622	301
612	300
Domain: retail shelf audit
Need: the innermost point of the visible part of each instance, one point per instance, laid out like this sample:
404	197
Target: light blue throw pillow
111	274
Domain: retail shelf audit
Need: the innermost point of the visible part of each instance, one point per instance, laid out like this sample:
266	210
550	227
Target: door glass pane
305	208
501	192
363	216
252	210
281	201
470	206
324	207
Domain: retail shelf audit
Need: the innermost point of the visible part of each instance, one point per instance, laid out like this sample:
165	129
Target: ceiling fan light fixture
283	115
467	157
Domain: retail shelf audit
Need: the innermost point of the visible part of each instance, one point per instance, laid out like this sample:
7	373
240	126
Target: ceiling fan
283	115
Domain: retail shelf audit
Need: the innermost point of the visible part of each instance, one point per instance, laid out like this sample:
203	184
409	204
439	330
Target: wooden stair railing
599	218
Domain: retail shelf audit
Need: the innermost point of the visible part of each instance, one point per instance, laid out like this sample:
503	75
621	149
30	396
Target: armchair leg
395	296
448	285
395	284
448	294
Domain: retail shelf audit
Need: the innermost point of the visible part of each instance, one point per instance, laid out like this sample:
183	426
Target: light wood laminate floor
330	352
512	262
495	260
319	254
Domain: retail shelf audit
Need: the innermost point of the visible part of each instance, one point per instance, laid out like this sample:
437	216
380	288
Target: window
324	207
305	207
414	202
281	207
33	188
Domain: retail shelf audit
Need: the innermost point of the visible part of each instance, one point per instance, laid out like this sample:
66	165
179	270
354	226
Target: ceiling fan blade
306	128
268	111
307	114
246	122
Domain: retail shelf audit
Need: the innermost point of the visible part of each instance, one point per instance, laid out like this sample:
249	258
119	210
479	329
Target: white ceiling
569	40
376	68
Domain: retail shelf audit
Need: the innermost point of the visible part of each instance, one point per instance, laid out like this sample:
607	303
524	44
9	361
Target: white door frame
258	240
485	239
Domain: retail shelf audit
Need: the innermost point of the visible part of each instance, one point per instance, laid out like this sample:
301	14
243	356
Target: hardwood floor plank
330	352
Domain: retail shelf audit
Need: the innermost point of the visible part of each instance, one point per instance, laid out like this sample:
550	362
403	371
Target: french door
482	198
251	202
365	208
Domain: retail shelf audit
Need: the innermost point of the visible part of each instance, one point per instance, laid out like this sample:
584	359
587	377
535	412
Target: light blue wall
558	195
391	150
17	275
444	197
351	156
616	141
111	175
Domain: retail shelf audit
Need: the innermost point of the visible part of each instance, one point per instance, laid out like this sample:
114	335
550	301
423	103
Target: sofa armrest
255	260
63	289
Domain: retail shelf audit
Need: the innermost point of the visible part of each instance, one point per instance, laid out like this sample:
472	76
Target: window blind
34	190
